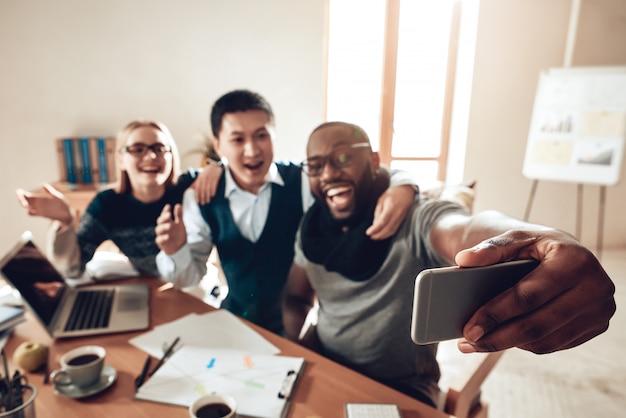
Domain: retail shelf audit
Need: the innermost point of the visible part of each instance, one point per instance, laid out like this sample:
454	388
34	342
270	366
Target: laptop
66	311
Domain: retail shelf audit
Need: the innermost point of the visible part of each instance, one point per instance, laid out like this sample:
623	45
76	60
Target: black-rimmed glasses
139	149
341	157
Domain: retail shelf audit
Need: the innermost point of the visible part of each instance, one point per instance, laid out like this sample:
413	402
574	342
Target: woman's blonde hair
123	182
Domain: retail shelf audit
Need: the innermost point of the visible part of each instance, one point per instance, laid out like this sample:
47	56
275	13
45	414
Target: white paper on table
107	265
217	329
254	380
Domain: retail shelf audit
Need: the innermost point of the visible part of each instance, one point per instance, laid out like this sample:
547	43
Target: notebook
10	316
65	311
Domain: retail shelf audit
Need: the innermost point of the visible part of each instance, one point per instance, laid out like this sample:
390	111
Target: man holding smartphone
365	288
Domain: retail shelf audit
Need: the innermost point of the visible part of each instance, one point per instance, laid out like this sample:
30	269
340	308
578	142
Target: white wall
516	40
75	67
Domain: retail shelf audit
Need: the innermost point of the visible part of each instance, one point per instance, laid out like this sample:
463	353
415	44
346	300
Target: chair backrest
463	397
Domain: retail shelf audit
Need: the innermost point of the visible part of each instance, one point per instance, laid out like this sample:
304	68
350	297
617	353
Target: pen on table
144	373
167	353
46	370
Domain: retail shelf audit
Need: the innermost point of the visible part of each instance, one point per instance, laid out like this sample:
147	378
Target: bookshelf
86	160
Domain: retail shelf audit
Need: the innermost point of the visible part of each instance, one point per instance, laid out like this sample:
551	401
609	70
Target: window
402	70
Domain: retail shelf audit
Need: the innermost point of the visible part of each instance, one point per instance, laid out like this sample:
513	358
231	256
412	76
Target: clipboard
262	384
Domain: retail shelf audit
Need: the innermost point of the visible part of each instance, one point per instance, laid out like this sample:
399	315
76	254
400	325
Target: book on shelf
102	160
78	160
109	159
68	158
86	160
93	157
63	175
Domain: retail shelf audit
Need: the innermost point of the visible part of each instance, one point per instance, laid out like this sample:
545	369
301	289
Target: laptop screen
39	283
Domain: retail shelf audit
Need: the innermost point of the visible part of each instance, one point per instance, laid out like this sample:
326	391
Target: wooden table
322	392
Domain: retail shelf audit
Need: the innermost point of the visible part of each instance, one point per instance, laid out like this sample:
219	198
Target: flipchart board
578	126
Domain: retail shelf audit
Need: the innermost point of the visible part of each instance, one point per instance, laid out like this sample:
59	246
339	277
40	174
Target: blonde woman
149	177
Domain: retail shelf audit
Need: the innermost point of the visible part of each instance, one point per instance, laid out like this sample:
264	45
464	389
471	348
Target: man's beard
366	193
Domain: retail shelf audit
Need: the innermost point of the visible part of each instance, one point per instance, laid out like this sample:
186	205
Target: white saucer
107	378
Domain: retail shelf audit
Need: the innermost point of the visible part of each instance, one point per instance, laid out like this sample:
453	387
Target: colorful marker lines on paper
248	363
254	384
200	389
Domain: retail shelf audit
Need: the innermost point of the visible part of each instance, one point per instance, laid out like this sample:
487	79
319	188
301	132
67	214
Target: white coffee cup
213	405
81	366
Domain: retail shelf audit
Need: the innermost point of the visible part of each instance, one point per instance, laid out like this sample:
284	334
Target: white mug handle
60	377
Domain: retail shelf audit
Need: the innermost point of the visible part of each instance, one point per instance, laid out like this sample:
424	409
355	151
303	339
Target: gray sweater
366	325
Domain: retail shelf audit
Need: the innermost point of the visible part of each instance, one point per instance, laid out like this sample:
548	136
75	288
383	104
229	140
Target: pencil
167	353
46	371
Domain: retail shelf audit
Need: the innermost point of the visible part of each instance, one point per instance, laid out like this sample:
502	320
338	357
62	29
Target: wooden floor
588	381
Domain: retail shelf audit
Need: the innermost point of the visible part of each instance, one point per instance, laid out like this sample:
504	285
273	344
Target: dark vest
256	272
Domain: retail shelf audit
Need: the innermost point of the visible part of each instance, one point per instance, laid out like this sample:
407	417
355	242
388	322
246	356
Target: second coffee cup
214	405
81	366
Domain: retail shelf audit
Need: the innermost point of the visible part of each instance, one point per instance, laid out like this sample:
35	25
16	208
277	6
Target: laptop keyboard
91	310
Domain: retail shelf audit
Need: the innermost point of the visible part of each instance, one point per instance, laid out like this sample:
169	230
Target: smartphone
445	298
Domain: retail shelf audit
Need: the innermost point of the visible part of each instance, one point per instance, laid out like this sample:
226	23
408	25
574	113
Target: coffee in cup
215	405
81	366
82	360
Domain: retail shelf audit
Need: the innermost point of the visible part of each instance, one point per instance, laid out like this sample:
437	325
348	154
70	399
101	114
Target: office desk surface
322	392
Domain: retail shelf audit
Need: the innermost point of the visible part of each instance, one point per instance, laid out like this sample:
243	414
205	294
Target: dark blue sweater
129	223
256	272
